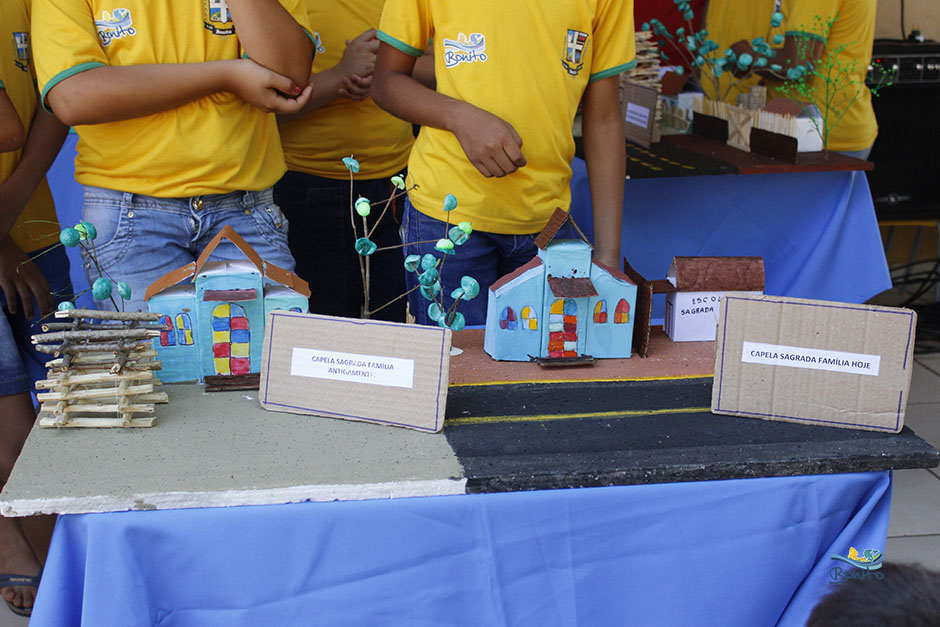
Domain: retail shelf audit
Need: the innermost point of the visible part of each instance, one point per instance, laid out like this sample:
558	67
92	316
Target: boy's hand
356	87
359	54
492	144
265	89
24	282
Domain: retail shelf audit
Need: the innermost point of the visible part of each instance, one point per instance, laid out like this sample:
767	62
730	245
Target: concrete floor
914	531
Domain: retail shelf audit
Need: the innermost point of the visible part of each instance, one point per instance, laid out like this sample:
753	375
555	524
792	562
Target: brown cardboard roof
554	223
718	274
564	287
269	270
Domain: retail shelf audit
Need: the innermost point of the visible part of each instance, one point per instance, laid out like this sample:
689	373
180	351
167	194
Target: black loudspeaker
905	183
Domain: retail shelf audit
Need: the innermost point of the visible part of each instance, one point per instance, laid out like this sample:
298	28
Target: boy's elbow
12	138
64	106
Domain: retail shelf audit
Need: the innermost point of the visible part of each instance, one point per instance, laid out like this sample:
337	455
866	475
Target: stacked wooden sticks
102	373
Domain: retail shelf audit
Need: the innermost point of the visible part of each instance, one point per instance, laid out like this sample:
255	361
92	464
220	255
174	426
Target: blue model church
213	324
560	305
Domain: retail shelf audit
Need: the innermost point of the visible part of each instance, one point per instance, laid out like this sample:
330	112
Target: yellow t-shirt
728	22
854	32
527	62
213	145
37	226
317	143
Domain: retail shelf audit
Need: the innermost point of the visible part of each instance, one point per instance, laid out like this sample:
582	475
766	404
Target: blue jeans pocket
114	227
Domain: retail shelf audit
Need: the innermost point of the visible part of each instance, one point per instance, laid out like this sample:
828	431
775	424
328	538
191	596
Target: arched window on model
184	329
622	315
530	320
507	319
231	339
600	312
167	334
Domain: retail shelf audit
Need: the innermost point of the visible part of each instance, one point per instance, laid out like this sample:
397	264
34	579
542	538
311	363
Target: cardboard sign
638	111
815	362
374	371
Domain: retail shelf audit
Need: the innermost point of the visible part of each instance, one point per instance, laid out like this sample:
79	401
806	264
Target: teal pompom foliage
363	206
124	290
66	305
428	261
680	70
90	231
444	245
411	262
744	61
429	277
351	164
450	202
471	287
69	237
435	312
778	39
776	19
457	235
398	181
101	288
365	246
454	322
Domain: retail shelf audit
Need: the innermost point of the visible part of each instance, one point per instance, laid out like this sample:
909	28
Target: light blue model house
560	305
214	312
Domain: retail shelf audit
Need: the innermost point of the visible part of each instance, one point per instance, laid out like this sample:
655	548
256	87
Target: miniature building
214	325
696	286
561	304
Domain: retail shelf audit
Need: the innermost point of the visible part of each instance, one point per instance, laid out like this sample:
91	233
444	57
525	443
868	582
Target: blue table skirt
816	231
746	552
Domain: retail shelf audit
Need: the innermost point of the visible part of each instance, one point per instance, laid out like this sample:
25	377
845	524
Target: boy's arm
113	93
490	143
46	136
20	279
273	38
605	157
12	135
358	61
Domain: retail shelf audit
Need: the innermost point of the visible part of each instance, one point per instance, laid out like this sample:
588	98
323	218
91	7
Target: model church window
600	312
529	319
622	315
167	334
507	319
184	329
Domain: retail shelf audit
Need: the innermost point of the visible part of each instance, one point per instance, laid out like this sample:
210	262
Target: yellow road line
672	378
479	420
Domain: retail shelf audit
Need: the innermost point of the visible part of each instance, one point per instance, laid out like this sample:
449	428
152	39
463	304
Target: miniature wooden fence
102	374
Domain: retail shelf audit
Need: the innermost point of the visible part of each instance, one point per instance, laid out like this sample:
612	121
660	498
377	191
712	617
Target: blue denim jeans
485	256
323	243
141	238
21	365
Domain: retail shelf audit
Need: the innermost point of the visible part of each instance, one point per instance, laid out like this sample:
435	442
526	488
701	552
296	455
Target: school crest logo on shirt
217	18
21	48
318	43
464	49
576	44
116	25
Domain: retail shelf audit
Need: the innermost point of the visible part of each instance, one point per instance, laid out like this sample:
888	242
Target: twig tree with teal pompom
693	48
427	267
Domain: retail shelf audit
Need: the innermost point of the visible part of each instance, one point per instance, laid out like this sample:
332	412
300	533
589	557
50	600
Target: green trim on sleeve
803	33
612	71
61	76
399	45
2	86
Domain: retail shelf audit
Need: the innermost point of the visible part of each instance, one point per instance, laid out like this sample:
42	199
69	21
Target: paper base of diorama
102	374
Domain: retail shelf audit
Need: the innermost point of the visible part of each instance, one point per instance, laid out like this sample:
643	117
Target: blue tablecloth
816	231
746	552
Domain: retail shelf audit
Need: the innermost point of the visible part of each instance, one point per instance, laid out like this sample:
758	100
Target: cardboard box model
697	286
214	323
814	362
562	304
